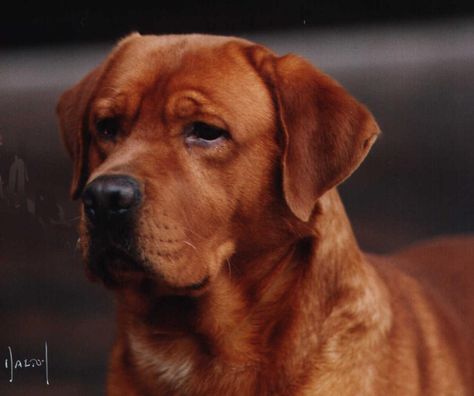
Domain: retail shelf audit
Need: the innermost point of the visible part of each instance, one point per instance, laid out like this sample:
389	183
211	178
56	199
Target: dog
208	169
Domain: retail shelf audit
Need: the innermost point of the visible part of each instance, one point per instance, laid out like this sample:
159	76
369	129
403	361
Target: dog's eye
108	128
204	134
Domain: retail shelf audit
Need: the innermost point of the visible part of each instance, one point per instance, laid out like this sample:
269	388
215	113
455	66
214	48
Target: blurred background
411	63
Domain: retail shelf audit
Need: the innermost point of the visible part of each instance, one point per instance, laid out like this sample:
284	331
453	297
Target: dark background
27	23
411	63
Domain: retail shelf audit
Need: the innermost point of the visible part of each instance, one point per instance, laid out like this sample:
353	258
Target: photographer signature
13	364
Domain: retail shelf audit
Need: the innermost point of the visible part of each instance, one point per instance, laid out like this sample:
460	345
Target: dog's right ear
72	111
326	133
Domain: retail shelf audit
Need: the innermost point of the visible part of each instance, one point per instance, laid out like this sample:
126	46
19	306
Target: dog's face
190	149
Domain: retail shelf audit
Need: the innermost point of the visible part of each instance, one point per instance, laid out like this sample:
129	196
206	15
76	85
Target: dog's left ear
326	132
72	111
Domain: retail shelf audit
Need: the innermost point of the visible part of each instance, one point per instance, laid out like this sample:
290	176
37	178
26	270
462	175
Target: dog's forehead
161	66
145	60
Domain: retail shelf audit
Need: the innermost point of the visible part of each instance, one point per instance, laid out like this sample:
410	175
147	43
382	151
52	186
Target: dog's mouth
116	267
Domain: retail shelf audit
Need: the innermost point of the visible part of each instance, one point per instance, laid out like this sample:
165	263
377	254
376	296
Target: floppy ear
72	110
326	132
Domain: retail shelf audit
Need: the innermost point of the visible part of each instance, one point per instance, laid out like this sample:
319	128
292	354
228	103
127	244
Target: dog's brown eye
204	134
108	127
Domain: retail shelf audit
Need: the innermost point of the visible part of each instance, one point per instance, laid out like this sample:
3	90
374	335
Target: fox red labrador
207	168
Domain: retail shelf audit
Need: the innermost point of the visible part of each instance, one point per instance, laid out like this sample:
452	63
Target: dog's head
190	149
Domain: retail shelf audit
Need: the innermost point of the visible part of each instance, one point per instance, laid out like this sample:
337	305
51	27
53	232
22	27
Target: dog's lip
192	290
115	268
115	262
118	259
200	285
121	256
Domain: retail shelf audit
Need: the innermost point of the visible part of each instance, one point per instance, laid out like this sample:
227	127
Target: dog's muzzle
110	204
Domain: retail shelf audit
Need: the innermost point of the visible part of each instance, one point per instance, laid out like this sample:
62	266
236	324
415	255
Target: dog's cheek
182	247
207	208
259	194
220	259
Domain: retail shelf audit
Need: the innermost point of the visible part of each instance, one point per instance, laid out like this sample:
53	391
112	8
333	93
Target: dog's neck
279	313
312	285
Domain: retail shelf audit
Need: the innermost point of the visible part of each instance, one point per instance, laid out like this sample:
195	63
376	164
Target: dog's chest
172	368
177	369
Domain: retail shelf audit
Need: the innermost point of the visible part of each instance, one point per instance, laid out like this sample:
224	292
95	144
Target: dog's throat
171	316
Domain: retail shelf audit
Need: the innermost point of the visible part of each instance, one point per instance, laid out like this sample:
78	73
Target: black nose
110	197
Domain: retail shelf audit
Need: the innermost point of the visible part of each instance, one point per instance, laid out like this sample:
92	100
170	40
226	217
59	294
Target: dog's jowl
207	169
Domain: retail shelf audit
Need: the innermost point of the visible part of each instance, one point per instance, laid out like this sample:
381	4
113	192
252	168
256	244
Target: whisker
187	226
72	220
193	232
229	268
190	244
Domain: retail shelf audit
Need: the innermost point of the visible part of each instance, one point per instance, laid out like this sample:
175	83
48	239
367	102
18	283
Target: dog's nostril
90	212
87	200
89	203
110	196
121	198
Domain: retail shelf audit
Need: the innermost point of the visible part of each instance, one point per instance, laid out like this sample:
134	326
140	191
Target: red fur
289	305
